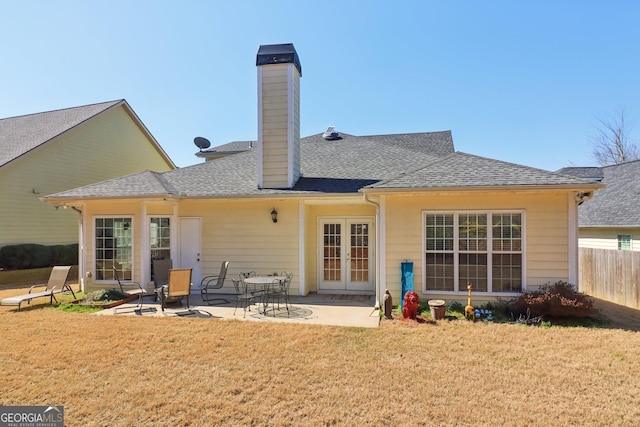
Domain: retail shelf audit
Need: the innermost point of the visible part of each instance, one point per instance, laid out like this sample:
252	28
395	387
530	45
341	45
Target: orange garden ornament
468	310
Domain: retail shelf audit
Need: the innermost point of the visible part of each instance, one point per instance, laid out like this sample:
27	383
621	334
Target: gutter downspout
574	235
81	266
378	250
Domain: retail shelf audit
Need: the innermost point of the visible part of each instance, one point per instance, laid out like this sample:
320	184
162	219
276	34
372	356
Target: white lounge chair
57	284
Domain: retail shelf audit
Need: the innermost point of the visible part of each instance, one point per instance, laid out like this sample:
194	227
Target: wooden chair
179	286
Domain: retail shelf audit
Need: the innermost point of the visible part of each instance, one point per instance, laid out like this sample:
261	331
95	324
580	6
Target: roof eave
568	187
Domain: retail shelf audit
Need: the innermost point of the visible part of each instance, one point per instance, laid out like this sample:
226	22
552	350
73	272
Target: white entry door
345	255
190	250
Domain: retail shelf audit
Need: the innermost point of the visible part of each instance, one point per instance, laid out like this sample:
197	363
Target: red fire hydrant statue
410	308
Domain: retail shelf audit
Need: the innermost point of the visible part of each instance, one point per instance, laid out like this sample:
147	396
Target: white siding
607	238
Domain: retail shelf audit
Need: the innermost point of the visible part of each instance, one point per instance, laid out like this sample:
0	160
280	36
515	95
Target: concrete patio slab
314	309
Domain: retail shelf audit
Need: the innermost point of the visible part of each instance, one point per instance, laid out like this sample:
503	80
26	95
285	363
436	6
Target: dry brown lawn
129	371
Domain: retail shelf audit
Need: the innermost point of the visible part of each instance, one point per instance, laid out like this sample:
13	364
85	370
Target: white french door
345	255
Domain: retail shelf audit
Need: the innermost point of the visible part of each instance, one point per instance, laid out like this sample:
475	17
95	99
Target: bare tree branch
611	143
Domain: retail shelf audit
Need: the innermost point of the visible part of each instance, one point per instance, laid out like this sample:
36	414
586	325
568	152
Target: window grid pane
439	271
507	272
359	253
507	232
472	229
439	232
113	248
332	267
624	242
160	238
472	268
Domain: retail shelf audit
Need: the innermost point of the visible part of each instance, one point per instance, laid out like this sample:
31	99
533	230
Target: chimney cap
278	54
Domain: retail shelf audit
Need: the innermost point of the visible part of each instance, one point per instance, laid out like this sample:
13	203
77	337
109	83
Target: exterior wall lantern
274	215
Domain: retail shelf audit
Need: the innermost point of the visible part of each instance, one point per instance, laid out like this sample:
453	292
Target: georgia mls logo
31	416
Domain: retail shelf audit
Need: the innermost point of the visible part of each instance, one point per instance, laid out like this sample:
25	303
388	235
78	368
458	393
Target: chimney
279	73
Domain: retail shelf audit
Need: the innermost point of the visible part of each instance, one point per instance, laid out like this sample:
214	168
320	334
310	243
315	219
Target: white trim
133	219
302	290
573	240
346	220
260	138
489	251
82	245
145	256
290	125
381	259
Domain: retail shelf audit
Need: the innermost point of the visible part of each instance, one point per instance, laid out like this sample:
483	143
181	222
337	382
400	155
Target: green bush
63	254
31	255
104	295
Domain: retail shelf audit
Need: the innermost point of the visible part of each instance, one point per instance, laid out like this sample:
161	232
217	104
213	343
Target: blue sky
516	81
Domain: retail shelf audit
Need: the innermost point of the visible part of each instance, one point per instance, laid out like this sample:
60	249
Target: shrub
552	301
30	255
63	254
104	295
24	256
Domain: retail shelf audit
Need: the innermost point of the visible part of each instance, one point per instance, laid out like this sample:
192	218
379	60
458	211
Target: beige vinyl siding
275	124
607	238
107	146
242	233
546	238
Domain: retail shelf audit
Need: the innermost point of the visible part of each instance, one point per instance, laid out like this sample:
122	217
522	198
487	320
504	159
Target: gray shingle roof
590	172
418	160
21	134
467	170
619	203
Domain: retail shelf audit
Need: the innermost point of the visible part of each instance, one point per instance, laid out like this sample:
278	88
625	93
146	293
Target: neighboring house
58	150
611	219
341	213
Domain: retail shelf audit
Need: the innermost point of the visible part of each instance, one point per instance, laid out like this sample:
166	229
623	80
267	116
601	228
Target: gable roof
618	204
469	171
21	134
343	166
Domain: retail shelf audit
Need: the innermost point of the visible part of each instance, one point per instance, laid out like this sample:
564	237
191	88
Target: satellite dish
201	142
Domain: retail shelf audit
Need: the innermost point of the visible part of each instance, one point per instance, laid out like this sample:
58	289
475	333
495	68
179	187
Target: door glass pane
159	240
359	251
113	248
332	266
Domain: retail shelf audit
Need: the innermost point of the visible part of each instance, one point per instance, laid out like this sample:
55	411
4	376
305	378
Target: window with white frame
160	237
159	240
624	242
113	247
484	248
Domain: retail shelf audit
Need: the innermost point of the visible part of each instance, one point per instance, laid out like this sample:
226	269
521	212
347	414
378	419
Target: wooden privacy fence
611	275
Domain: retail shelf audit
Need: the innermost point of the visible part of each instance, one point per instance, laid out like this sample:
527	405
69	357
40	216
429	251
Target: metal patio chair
211	283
